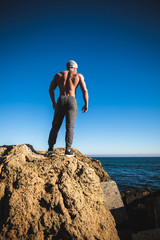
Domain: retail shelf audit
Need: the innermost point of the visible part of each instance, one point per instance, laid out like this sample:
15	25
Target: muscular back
67	82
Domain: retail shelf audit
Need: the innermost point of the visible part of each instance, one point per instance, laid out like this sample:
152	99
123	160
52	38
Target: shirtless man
67	81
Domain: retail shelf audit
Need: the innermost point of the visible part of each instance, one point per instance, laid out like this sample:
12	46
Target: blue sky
117	47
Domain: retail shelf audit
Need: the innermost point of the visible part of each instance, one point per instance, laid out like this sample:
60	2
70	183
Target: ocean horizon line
123	155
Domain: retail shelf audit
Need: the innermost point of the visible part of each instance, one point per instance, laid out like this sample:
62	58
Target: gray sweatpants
66	106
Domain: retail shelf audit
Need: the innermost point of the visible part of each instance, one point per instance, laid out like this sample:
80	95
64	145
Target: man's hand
54	105
84	109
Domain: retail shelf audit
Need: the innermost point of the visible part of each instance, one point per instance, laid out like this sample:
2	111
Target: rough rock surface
51	197
93	163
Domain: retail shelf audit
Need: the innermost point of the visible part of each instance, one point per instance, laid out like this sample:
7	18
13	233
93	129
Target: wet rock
153	234
143	208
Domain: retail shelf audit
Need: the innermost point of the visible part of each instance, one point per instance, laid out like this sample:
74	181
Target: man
67	81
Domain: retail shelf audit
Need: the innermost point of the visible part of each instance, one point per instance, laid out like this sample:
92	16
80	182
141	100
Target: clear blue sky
117	47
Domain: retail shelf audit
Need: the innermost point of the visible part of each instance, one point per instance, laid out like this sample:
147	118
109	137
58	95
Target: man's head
72	65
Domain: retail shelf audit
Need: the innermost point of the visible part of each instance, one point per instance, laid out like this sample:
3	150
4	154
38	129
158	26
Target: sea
133	172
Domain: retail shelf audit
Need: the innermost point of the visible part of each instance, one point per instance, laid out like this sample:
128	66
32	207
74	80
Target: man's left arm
85	93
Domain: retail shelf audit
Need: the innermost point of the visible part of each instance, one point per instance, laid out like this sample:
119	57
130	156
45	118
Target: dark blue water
131	172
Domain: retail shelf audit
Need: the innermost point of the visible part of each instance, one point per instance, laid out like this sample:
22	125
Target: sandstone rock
93	163
51	197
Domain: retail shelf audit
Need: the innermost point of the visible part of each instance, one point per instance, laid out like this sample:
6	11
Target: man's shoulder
63	72
60	74
80	76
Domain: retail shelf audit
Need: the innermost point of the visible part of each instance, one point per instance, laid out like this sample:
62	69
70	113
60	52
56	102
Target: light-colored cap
72	64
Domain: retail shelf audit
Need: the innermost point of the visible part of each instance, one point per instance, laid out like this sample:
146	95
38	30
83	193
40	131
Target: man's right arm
52	87
85	93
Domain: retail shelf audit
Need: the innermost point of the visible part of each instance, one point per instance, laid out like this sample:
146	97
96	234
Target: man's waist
66	96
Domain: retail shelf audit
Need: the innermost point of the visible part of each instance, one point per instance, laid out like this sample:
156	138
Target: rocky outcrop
52	197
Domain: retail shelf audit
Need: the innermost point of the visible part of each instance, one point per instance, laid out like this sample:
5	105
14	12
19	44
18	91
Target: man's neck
72	70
